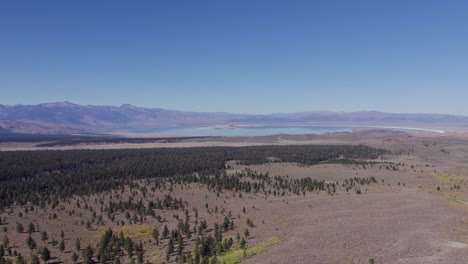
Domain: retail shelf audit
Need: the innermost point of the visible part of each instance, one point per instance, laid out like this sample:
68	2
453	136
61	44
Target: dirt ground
403	218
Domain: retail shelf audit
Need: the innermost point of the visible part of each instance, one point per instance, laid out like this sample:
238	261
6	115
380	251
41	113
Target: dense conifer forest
33	176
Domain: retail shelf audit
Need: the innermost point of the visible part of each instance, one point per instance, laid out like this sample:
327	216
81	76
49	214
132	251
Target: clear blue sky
239	56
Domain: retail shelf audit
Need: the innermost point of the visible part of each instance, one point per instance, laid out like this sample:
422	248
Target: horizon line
236	113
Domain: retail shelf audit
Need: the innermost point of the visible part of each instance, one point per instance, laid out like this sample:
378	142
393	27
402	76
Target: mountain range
69	118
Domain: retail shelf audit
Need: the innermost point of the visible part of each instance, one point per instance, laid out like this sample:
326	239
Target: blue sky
238	56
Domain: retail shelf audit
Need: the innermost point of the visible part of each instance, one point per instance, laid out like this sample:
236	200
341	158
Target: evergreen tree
6	241
31	228
129	247
44	236
31	243
156	235
54	242
62	246
45	254
242	243
19	228
169	248
165	232
180	246
226	223
77	245
88	253
20	260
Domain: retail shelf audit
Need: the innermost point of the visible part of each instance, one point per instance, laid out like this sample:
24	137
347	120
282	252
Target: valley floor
414	213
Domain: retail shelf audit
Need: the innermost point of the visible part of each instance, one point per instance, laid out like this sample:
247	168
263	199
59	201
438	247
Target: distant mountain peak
58	104
129	106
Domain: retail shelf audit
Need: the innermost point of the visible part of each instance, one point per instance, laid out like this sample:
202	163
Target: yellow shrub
134	231
237	255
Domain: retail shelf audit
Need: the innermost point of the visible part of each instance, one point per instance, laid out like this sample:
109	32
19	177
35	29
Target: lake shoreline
265	130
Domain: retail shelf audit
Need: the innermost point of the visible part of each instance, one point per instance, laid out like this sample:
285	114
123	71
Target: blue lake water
257	131
272	130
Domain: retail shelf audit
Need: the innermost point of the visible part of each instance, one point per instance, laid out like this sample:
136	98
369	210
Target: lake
271	130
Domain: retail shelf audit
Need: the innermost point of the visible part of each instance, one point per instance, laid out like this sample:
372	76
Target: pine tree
169	248
45	254
19	228
129	247
62	246
88	253
242	243
6	241
187	230
44	236
217	233
140	256
180	246
226	223
31	228
31	243
74	257
20	259
77	245
156	235
54	242
165	232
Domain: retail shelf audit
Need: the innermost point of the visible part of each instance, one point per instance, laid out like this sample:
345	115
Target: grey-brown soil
403	218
